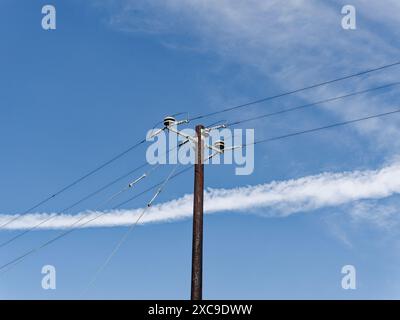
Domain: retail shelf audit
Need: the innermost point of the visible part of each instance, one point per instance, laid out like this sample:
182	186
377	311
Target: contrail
274	199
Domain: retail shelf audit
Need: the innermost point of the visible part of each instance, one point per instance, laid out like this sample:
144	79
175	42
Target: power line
20	258
17	260
295	91
74	226
7	242
304	106
145	164
129	231
90	195
379	115
150	188
69	186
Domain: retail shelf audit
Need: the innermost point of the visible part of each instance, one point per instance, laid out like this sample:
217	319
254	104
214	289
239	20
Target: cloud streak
274	199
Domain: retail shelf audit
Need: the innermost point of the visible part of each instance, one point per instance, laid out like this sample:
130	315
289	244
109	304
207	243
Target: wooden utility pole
197	248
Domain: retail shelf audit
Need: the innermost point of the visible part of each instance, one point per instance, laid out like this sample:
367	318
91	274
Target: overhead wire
287	93
338	124
74	226
215	113
313	104
51	217
129	231
19	259
228	124
16	260
75	182
67	187
90	195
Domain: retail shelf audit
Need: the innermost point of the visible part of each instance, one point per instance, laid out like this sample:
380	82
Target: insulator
220	145
169	121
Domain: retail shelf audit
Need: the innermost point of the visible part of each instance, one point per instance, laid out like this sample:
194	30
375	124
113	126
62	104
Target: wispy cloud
291	43
275	199
385	216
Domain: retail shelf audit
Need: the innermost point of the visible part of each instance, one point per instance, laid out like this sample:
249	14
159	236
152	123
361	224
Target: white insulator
137	180
169	121
220	145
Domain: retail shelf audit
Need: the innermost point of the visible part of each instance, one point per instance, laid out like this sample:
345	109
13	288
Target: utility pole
218	147
197	247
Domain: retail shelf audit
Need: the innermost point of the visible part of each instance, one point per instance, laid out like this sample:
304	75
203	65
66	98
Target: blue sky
74	97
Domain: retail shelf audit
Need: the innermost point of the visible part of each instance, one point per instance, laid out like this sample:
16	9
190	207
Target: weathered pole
197	248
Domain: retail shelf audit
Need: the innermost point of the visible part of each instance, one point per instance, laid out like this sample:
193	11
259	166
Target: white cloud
276	199
291	43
